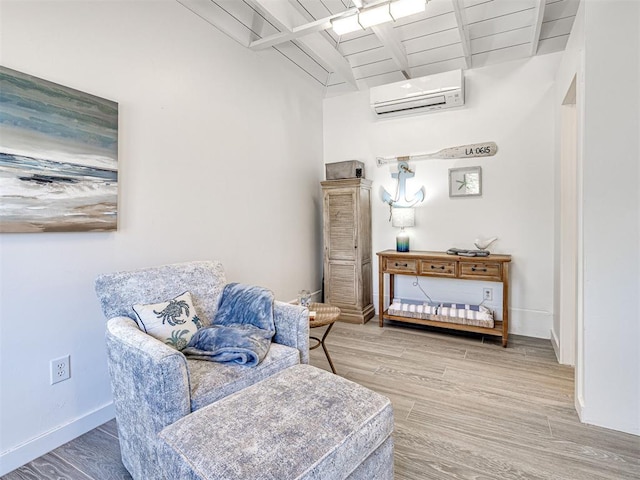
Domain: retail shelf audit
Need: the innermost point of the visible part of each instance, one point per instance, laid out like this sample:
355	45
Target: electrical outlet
60	369
487	294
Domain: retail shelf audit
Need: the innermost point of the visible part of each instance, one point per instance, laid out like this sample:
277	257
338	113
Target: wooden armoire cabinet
347	248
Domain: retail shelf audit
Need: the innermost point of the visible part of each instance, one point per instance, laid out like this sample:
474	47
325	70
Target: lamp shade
403	217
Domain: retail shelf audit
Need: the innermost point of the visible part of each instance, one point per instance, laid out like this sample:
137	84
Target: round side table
325	315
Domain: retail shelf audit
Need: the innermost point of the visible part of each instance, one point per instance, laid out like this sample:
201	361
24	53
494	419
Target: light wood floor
465	408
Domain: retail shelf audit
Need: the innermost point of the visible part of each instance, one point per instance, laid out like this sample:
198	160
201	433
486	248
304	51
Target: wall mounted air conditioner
419	95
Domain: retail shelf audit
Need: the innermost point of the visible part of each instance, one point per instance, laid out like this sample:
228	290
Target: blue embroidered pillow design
173	322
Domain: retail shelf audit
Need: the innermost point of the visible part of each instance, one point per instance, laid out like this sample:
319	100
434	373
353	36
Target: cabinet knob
433	267
402	264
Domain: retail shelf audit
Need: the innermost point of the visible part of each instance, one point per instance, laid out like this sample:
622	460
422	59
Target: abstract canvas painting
58	157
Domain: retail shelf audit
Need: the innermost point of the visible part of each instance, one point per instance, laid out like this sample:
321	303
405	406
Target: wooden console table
494	268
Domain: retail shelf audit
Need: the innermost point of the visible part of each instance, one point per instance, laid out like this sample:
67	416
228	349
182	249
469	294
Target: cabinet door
341	284
364	235
367	286
340	225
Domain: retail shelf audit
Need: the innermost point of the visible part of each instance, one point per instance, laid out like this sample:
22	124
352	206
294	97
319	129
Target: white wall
568	201
220	157
605	56
611	217
511	104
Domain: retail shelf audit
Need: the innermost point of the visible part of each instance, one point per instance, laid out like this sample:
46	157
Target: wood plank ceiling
450	34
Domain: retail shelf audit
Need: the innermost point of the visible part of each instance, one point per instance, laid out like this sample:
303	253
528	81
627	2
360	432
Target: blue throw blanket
242	329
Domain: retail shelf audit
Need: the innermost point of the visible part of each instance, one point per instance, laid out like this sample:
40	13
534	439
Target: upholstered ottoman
302	423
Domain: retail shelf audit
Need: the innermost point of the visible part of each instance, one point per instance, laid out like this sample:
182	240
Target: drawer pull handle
402	264
474	269
433	267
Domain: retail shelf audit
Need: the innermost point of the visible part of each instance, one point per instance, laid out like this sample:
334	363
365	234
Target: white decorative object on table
304	298
483	244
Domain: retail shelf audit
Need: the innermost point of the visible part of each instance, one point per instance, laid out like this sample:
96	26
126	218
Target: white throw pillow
173	322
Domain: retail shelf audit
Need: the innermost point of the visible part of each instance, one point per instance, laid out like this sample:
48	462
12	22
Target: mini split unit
419	95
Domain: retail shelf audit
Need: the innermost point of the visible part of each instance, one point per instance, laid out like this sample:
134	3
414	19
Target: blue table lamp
403	217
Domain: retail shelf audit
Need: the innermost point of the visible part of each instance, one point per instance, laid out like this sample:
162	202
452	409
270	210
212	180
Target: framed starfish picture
465	182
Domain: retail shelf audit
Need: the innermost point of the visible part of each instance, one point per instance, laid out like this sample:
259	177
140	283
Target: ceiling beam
332	59
391	41
461	20
284	16
214	16
297	32
538	16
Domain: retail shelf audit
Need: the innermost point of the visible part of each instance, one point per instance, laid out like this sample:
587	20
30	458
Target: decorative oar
486	149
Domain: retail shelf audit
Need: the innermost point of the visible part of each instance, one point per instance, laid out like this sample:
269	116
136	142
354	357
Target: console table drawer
401	265
481	270
437	268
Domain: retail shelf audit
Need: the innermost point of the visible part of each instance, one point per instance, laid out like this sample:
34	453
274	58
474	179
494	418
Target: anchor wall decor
400	199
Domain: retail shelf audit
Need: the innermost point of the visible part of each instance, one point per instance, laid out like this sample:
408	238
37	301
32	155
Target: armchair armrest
150	384
292	327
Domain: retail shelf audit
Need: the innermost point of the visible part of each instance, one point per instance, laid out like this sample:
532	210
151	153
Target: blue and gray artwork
58	157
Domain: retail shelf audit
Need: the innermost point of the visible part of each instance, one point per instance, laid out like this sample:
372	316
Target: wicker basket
466	320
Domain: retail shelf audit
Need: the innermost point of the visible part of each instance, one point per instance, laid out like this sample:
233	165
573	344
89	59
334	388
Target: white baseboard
36	447
530	323
555	344
628	425
578	403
